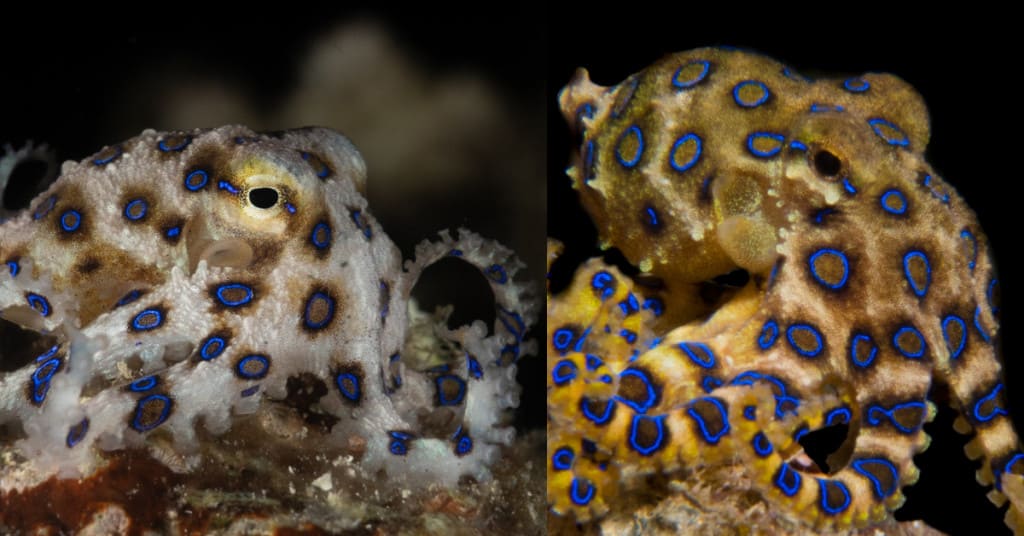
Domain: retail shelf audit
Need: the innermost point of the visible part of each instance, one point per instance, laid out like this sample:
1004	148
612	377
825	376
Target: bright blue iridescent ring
196	180
832	285
856	85
135	209
787	480
399	445
70	220
228	287
699	353
841	415
442	394
652	393
114	153
141	412
761	445
497	274
148	319
855	350
773	150
894	202
324	301
889	132
825	486
562	459
761	98
562	338
630	161
909	353
920	288
464	445
581	492
603	282
39	303
948	322
684	139
253	367
44	208
969	236
686	84
769	334
143	384
996	410
1007	467
212	348
348	386
321	236
656	443
711	438
795	329
13	267
175	145
884	485
77	433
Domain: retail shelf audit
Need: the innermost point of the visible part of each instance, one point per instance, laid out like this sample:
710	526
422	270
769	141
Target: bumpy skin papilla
870	280
186	275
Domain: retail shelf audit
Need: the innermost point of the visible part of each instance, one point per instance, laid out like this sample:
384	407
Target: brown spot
349	380
319	309
647	435
87	265
638	385
710	421
150	412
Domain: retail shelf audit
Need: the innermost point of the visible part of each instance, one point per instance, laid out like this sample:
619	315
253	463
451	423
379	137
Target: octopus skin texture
866	284
178	280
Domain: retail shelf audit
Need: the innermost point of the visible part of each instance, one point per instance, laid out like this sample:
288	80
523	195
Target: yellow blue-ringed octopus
866	281
178	280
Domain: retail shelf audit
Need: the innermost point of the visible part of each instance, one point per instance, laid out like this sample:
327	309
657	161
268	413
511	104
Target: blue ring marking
593	362
747	104
659	442
140	407
936	192
874	420
630	162
562	459
464	445
320	228
903	351
48	369
706	66
823	485
996	409
710	383
77	433
139	322
876	125
954	353
118	151
819	216
880	493
654	305
800	432
204	178
460	395
355	392
602	281
562	338
977	325
399	445
704	362
13	267
162	145
797	145
790	331
75	223
844	413
357	218
814	273
474	368
173	232
1006	469
629	335
990	294
974	247
769	334
289	207
693	159
212	347
816	107
47	354
754	136
629	305
750	413
848	186
652	217
324	171
249	391
234	286
142	385
588	161
497	274
921	290
228	187
604	417
130	297
888	194
581	496
787	480
762	447
455	253
519	330
133	205
712	439
862	338
652	394
45	207
856	84
585	110
242	366
318	296
39	303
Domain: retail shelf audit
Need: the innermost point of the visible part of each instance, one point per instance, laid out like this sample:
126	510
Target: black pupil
827	164
263	197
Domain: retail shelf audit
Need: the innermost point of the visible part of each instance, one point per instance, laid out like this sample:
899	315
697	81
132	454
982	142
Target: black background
964	77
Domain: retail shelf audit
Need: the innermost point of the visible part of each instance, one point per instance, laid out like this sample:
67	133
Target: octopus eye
263	197
826	164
